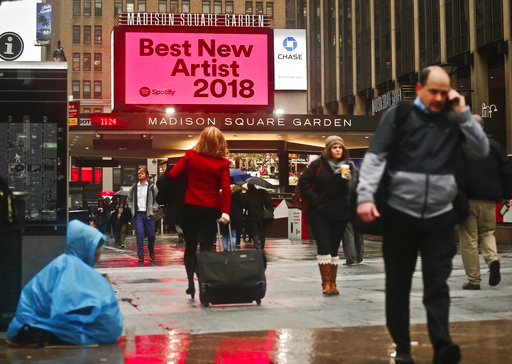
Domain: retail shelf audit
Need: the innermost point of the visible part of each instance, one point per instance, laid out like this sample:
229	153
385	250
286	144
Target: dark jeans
144	227
434	239
199	228
258	229
327	233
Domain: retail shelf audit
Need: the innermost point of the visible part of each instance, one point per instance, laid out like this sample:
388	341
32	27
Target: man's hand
367	211
457	100
224	219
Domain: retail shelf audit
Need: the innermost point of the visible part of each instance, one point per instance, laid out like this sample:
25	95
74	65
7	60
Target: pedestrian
68	302
419	214
236	219
255	201
143	206
487	181
120	218
100	216
207	169
353	245
325	185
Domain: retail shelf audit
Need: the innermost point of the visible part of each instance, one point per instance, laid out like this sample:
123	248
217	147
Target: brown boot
325	272
334	274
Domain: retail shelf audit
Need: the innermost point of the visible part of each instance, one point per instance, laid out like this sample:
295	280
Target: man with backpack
419	215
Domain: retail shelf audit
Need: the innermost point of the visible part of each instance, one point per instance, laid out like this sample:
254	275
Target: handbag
298	200
160	214
268	214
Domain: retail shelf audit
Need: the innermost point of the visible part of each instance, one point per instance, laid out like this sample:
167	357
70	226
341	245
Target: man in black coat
488	181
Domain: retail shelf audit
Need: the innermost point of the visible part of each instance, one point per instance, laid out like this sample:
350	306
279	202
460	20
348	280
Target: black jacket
253	201
329	198
236	210
490	178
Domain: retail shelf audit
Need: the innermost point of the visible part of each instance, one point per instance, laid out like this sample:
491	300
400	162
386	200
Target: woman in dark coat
254	202
236	219
328	212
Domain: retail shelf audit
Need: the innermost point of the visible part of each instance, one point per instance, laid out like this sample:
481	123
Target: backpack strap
403	111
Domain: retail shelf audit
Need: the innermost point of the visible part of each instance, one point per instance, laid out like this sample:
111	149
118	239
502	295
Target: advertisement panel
190	69
290	66
44	23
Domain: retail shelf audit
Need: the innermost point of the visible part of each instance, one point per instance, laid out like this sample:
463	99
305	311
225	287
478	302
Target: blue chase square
290	44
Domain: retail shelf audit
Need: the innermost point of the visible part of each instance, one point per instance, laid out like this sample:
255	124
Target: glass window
141	6
258	9
87	61
87	90
76	61
130	6
97	34
86	172
118	7
206	6
162	6
76	34
76	90
97	7
98	110
97	62
217	7
98	175
229	7
174	6
76	7
248	7
185	6
97	89
87	34
269	9
87	7
75	174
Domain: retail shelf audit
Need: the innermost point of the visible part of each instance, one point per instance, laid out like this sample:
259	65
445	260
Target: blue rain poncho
69	298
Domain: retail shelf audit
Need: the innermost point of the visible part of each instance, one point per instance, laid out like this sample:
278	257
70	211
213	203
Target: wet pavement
294	323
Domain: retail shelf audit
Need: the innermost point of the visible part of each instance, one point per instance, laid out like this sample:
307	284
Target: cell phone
503	209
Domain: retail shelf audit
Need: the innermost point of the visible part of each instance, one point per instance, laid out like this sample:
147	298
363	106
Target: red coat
205	177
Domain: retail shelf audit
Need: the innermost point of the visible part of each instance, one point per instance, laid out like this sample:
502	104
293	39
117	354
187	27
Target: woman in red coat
207	171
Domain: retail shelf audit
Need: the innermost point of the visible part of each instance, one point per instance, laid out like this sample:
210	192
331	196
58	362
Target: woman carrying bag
325	185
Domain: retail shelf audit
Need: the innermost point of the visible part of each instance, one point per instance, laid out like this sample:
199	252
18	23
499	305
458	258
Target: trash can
11	230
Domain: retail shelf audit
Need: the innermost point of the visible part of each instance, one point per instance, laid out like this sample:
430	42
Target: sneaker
471	286
494	276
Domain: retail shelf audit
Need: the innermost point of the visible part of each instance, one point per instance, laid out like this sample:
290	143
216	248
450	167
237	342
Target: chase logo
290	44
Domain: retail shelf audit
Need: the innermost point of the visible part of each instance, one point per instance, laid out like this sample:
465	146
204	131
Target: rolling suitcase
231	276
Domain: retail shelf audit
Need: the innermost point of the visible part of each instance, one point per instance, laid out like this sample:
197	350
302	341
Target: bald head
433	88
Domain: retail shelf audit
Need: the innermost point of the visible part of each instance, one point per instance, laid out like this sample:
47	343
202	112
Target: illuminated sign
290	61
212	69
195	20
73	114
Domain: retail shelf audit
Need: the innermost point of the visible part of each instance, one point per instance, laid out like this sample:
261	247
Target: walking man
143	206
488	181
419	215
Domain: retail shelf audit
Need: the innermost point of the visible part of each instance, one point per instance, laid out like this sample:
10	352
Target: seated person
68	302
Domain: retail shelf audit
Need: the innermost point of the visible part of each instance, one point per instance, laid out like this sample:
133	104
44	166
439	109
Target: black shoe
191	291
471	286
402	358
152	256
141	259
449	354
494	276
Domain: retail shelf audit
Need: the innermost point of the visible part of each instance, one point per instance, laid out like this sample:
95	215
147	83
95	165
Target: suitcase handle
219	237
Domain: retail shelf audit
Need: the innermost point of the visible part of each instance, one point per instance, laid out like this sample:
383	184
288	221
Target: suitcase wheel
258	301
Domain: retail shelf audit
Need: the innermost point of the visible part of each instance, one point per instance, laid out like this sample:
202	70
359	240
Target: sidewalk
294	324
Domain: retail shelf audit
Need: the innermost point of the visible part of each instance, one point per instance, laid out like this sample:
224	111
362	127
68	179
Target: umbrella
259	182
121	193
238	175
104	193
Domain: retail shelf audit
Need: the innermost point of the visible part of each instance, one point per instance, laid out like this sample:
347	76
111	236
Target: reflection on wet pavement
481	342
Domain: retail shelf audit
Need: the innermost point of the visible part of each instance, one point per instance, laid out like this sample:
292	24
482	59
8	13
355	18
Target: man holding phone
419	216
488	181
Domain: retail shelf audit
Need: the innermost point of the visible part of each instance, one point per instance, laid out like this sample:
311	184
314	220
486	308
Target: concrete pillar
393	41
416	27
442	31
108	176
479	70
507	36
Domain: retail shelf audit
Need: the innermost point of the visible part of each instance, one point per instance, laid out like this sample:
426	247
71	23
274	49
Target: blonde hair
212	143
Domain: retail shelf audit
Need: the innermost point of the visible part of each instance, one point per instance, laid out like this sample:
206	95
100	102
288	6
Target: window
130	6
269	9
75	173
97	34
76	61
87	61
76	34
185	6
76	7
118	7
87	90
86	110
217	7
162	6
87	34
97	62
86	172
97	89
248	7
97	7
97	175
87	7
141	6
76	90
174	6
206	6
229	7
259	7
98	110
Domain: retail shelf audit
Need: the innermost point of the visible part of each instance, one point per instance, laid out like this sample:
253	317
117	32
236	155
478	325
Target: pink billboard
196	68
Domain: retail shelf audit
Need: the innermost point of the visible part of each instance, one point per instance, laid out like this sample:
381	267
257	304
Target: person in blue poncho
68	302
